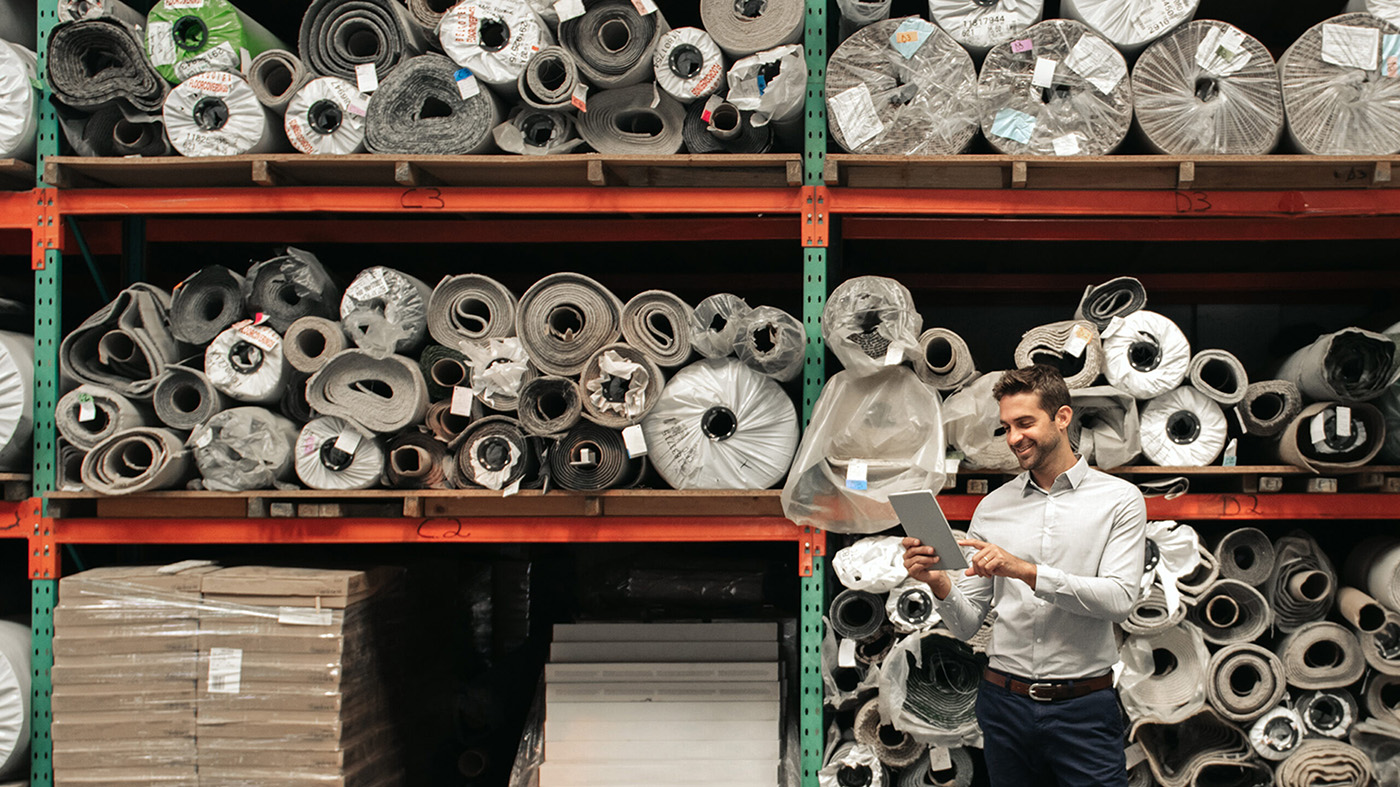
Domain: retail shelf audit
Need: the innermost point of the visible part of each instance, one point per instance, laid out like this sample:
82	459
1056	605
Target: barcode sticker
635	441
857	475
304	616
462	401
366	77
225	670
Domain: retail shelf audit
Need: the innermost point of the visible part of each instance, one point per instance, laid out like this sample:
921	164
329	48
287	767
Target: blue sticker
857	485
910	35
462	73
1013	125
762	84
1390	46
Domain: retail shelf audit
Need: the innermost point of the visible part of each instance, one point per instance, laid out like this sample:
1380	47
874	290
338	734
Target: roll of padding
688	64
1105	429
894	748
311	341
1334	105
635	120
246	363
870	323
1389	10
381	394
116	129
1382	645
1268	407
943	361
1183	428
550	406
15	694
773	342
1145	355
337	36
1208	88
19	102
971	416
1328	436
657	323
853	765
928	688
1303	584
1351	365
537	132
335	454
770	84
888	97
89	414
217	114
69	468
1327	714
1132	25
1176	752
549	79
1195	582
1277	734
418	108
276	75
427	13
326	116
590	457
1081	104
126	74
446	425
1379	697
563	319
244	448
612	43
499	370
1374	566
385	310
185	39
1243	681
495	453
1361	611
1321	655
1164	675
1325	762
205	304
1152	614
620	385
980	25
289	287
871	652
417	461
444	369
717	322
185	398
1230	611
78	10
125	346
743	28
293	404
1072	346
911	607
494	39
470	306
720	425
922	773
1219	375
1114	298
143	459
1245	554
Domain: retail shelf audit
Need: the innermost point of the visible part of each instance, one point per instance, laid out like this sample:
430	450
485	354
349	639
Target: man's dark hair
1041	379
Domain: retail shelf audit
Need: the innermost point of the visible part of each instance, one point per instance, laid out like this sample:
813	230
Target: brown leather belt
1048	691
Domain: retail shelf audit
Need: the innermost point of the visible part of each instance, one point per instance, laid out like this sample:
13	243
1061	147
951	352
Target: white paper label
846	653
359	105
348	440
635	441
87	410
462	401
1080	337
1135	755
569	9
1068	145
178	4
1231	453
367	77
1343	422
512	489
1044	74
579	98
304	616
939	759
644	7
1317	430
1222	53
160	44
894	356
1097	61
368	285
183	565
1351	47
206	436
225	670
467	86
950	466
854	112
856	474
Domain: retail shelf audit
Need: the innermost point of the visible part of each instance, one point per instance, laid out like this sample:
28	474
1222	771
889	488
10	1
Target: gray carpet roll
612	43
620	385
419	109
871	652
1230	611
1321	655
549	405
77	10
1351	365
291	286
894	748
444	370
657	323
311	341
78	48
89	414
1151	614
944	362
1303	584
728	130
1114	298
1219	375
717	322
143	459
1148	690
206	303
1245	554
418	460
923	773
870	323
634	120
471	307
427	13
940	676
1335	106
1200	578
744	28
125	346
115	129
1177	751
1327	435
1105	428
244	448
338	35
549	79
1268	407
185	398
1072	346
386	311
276	75
856	614
381	394
1243	681
773	342
495	453
1328	714
1325	762
246	363
69	469
564	318
336	454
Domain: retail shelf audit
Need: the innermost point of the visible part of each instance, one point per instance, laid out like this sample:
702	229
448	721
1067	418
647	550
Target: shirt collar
1072	478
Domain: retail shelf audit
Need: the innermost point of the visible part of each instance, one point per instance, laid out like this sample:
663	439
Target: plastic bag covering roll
888	424
1245	554
494	39
1351	365
870	322
1303	584
336	36
779	100
1082	106
416	461
246	363
910	607
1145	354
613	43
326	116
549	406
928	688
658	323
1327	714
382	394
1317	439
960	772
494	453
19	102
470	306
635	120
1105	429
184	39
688	64
142	459
893	98
853	765
1268	407
75	51
980	25
1244	680
943	360
563	319
185	398
1114	298
1325	762
1277	734
771	341
418	108
1072	346
1177	751
16	399
1183	428
1130	24
536	132
126	345
205	304
15	685
311	341
1164	674
1208	88
1230	611
77	10
749	26
590	457
289	287
1219	375
276	75
1321	655
1389	10
875	564
244	448
620	386
856	614
894	748
720	425
334	454
548	81
717	322
386	311
444	369
971	417
89	414
217	114
499	370
1374	566
1335	103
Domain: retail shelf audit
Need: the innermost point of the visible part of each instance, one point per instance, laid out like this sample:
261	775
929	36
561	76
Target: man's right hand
922	564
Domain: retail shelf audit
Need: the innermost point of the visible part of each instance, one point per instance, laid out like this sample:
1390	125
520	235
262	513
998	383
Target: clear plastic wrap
1351	365
1336	105
875	565
1105	428
891	97
500	370
868	437
928	688
717	322
772	85
1389	10
1183	428
870	323
244	448
972	417
980	25
771	341
537	132
1130	24
620	385
1165	696
493	39
386	311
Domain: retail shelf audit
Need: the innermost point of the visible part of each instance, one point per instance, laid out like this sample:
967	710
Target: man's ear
1063	416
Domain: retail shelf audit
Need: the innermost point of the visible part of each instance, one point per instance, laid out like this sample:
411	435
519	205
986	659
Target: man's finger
972	542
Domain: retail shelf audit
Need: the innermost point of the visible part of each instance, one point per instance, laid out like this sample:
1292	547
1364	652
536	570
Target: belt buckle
1031	692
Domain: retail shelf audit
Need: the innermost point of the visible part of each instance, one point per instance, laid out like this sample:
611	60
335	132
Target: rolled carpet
494	39
495	453
76	49
1276	734
620	385
770	85
564	318
1151	614
1130	25
657	323
336	454
311	341
215	113
185	398
1334	105
77	10
142	459
871	652
1325	762
1303	584
895	749
125	346
444	369
1145	354
1105	429
688	65
1229	612
1327	436
744	28
276	75
326	117
549	406
717	322
612	43
537	132
1177	751
89	414
337	36
940	676
1244	680
1268	407
1219	375
850	763
1321	655
911	607
1165	674
470	306
1351	365
1380	697
971	418
1114	298
291	286
205	304
633	120
293	403
246	363
773	342
244	448
1245	554
1195	582
386	311
446	425
1373	565
1072	346
549	80
944	362
419	109
980	25
1328	714
499	369
381	394
69	468
1382	645
184	39
427	13
870	323
417	460
925	773
116	129
1182	428
590	457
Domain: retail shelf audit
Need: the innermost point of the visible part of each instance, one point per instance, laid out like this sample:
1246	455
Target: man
1059	553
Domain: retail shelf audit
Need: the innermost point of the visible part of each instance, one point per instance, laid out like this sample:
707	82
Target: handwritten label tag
462	401
1023	45
366	77
857	475
910	36
304	616
635	441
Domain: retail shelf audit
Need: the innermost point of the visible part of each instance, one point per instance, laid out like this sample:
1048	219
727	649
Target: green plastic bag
187	37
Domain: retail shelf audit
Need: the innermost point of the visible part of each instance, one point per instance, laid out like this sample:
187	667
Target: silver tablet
921	518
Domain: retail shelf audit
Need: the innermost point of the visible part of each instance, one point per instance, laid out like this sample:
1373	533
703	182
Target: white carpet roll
1335	89
1183	428
980	25
1146	354
1130	24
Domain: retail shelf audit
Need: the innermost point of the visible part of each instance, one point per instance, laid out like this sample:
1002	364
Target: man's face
1031	433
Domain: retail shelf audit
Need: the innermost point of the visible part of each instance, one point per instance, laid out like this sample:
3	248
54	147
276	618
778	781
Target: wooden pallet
16	175
15	487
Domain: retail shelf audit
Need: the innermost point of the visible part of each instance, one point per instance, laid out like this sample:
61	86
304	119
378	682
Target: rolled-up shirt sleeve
968	602
1111	593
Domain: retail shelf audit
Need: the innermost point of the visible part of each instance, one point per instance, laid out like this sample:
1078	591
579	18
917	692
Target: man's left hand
993	561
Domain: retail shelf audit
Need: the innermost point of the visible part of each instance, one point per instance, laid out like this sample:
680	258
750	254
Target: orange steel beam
1206	507
1180	204
1130	229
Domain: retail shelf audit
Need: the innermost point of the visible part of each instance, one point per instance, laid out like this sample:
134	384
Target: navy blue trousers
1069	743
